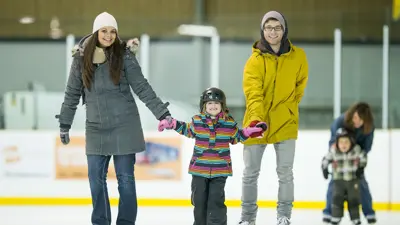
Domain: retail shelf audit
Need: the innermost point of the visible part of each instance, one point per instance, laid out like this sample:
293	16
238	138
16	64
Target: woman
358	119
102	72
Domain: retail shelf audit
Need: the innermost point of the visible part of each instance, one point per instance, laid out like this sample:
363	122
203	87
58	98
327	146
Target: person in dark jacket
348	162
358	119
103	72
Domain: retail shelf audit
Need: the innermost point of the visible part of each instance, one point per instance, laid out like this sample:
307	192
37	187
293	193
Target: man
274	80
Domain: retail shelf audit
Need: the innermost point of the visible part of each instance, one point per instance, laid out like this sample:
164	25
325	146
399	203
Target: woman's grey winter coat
113	124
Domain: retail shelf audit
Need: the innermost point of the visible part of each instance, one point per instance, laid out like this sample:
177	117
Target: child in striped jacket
213	130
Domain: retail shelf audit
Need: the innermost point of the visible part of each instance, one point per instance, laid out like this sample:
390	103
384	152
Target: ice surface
80	215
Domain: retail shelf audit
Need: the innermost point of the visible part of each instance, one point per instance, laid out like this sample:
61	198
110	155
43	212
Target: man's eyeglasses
270	28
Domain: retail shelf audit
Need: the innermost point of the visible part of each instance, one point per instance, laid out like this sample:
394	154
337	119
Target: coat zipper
273	94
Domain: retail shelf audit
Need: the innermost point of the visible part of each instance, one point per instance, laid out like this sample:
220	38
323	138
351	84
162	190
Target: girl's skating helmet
213	94
341	132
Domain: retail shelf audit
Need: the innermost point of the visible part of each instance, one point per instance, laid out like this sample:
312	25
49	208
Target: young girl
213	130
348	163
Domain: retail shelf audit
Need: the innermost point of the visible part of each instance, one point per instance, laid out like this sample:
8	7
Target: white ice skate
246	223
283	221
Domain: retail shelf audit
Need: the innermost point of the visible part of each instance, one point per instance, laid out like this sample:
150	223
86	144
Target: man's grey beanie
273	14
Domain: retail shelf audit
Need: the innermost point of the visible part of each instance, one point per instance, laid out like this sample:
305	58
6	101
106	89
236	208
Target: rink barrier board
20	201
50	189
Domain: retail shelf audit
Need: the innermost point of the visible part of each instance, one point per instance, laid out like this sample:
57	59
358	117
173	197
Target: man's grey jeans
252	156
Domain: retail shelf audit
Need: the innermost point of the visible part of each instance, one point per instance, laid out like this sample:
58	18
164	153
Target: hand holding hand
167	123
250	131
169	119
258	124
262	125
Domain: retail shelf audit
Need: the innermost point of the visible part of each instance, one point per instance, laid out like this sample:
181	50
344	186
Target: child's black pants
208	199
341	189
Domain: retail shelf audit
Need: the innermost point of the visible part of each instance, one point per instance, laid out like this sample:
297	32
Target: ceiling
307	19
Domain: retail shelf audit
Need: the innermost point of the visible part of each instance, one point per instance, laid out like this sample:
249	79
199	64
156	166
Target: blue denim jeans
366	200
124	168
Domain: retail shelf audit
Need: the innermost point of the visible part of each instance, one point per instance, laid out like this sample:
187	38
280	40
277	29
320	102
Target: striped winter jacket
211	156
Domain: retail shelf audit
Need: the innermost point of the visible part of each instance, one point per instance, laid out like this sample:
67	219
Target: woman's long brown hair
364	112
114	57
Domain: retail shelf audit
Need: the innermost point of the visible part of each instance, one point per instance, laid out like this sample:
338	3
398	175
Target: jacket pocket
128	97
93	114
226	156
293	111
193	162
123	83
196	155
90	125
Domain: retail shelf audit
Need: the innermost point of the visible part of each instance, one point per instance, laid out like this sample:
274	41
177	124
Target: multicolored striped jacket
211	156
345	165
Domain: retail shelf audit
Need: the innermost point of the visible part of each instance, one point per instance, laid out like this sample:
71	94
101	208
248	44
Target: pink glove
248	131
164	124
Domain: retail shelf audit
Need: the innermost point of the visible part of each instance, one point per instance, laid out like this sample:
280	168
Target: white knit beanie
104	20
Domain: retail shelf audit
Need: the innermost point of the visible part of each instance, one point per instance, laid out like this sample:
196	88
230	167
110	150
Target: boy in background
348	163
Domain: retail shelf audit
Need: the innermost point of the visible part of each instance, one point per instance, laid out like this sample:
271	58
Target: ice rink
34	215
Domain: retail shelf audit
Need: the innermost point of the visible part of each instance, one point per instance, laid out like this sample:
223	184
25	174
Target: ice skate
283	221
371	220
247	223
326	221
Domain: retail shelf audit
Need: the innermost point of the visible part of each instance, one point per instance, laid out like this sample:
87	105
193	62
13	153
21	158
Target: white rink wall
31	160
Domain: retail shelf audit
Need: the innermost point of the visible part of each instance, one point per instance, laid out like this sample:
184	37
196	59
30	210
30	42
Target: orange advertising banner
160	161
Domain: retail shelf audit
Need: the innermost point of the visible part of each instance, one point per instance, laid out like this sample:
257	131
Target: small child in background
348	163
213	130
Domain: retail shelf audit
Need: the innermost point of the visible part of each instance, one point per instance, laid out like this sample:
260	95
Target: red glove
253	123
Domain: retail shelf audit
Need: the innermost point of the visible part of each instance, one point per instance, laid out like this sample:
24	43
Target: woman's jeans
124	168
366	201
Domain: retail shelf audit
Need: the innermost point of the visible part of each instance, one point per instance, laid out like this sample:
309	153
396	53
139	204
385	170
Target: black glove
64	135
262	126
325	172
166	115
64	132
360	173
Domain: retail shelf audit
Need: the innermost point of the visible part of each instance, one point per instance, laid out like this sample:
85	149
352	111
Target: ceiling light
197	30
27	20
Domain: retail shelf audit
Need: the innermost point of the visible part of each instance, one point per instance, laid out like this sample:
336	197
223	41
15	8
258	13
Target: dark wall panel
308	19
156	17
